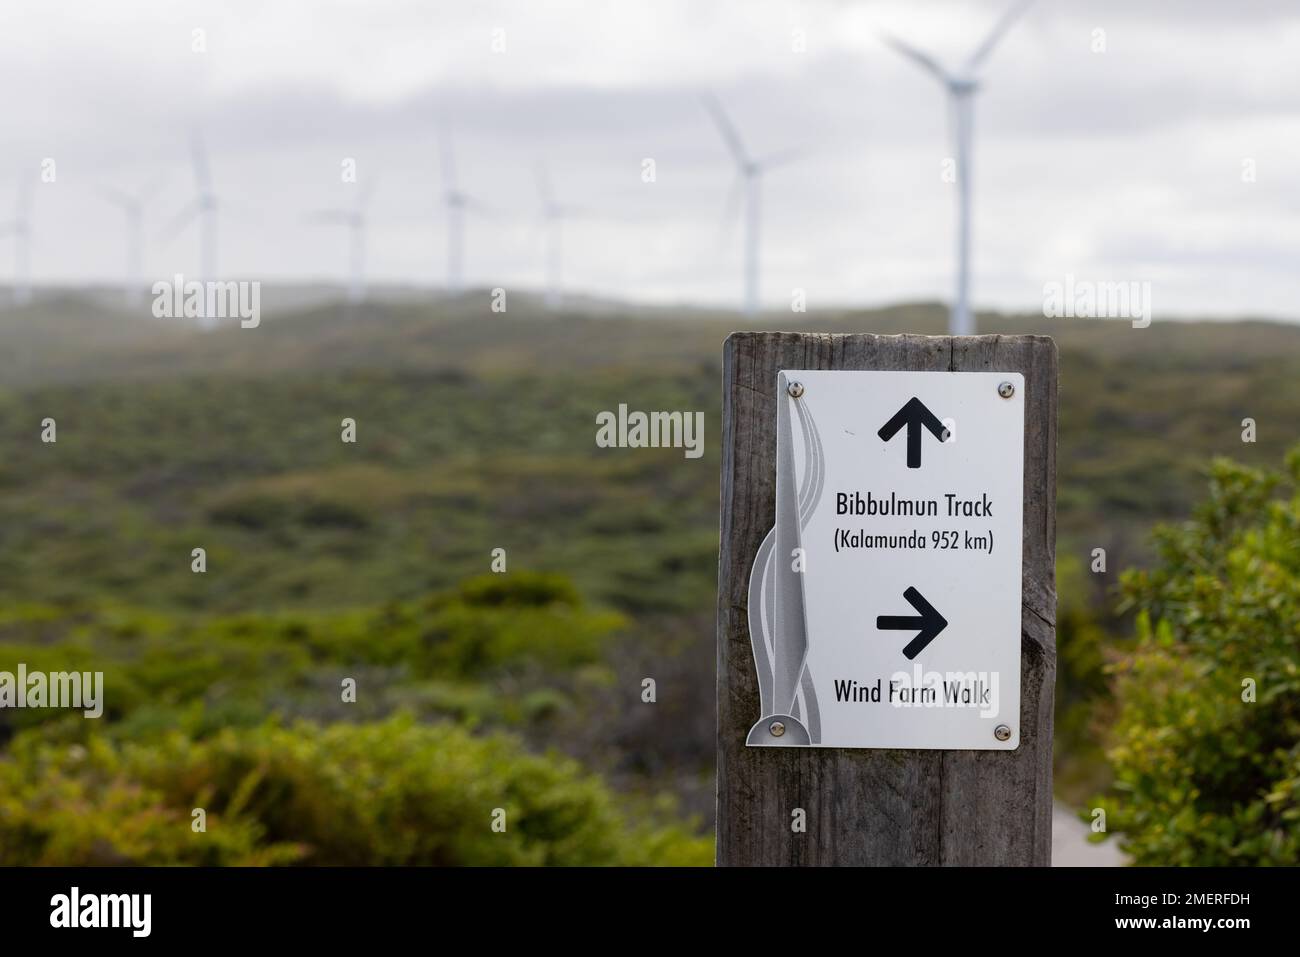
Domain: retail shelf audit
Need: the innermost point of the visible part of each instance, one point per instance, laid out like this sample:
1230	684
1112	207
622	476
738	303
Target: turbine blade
726	129
476	205
730	210
367	192
151	190
117	197
182	219
543	176
199	159
781	158
997	33
446	161
924	60
330	216
23	208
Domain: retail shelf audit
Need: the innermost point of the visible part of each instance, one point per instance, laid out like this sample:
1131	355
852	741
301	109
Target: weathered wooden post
853	530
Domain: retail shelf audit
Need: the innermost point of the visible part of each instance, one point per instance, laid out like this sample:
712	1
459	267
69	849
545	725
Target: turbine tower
355	221
962	86
132	206
20	227
748	182
203	208
457	202
553	216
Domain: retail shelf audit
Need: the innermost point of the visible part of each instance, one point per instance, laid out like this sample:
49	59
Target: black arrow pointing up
929	622
913	414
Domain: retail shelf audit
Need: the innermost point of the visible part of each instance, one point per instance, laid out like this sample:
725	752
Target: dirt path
1070	847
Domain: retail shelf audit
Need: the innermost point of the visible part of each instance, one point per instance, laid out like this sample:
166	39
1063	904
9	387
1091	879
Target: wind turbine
355	221
457	202
962	86
749	180
553	216
204	209
20	227
132	205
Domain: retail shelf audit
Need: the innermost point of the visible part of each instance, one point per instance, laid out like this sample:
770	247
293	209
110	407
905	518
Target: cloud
1108	162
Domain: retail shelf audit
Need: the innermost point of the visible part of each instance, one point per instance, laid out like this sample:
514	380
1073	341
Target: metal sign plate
884	605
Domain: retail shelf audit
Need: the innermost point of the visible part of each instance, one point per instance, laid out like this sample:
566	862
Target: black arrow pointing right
914	415
927	625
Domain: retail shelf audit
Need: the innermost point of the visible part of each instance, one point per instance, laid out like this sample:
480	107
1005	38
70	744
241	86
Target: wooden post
880	807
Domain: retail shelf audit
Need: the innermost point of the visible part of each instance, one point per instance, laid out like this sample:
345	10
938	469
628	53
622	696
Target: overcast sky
1125	164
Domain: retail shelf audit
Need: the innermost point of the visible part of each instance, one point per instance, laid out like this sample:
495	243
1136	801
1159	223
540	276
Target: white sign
884	605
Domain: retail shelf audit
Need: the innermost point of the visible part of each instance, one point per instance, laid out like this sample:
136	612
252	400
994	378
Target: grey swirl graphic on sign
778	627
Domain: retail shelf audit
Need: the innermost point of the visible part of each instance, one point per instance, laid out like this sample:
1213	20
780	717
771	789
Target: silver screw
1002	733
777	729
795	389
1006	390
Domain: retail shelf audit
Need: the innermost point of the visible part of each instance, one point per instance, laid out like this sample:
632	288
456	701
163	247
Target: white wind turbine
132	206
457	202
20	227
962	86
203	208
553	216
749	180
355	221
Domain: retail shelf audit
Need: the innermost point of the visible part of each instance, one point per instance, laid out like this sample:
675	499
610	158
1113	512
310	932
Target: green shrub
494	621
332	514
520	590
1083	698
74	805
1207	750
256	512
160	668
394	792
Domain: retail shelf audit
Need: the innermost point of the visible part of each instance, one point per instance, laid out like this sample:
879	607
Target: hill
476	431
